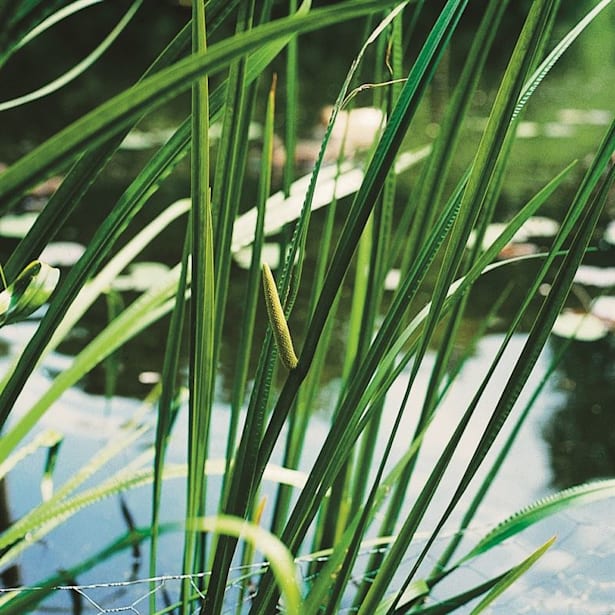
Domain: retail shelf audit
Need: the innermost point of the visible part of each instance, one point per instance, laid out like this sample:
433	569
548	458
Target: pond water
561	578
568	438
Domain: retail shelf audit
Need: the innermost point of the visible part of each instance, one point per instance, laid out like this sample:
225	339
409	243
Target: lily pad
270	254
601	277
17	225
540	226
142	140
595	117
62	253
528	130
140	276
580	326
536	226
332	183
604	308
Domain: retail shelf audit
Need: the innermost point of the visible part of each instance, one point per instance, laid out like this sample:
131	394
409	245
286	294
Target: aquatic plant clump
345	467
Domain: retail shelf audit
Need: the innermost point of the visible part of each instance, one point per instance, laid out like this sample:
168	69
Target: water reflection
581	433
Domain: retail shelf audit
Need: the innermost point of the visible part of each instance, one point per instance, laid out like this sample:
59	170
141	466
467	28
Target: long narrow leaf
202	313
79	68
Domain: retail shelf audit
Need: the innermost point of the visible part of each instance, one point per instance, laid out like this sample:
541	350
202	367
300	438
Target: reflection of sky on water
574	573
585	537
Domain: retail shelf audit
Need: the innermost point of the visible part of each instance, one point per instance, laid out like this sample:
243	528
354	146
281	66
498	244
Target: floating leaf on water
270	254
141	276
62	253
536	226
595	117
556	130
354	130
528	130
332	183
17	225
492	232
47	188
149	377
604	308
580	326
30	290
391	282
540	226
141	140
255	131
601	277
516	250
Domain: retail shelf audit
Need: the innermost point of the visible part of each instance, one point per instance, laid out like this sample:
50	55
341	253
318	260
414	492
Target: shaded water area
568	438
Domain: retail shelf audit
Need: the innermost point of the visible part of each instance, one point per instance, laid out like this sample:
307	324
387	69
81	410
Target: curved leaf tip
31	289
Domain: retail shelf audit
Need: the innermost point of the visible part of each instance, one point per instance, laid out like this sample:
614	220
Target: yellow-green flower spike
277	320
